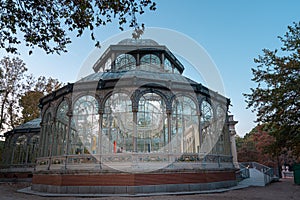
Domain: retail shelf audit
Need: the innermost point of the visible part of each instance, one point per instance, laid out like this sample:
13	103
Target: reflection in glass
206	126
86	118
117	126
107	65
125	62
220	124
150	62
168	66
59	147
185	134
20	150
151	124
46	139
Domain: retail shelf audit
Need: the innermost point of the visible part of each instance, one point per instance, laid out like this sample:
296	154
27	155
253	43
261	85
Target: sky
231	32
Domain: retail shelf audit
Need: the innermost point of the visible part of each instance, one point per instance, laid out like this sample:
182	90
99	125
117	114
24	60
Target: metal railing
267	171
242	173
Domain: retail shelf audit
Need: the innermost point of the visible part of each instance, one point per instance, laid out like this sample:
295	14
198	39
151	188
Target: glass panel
176	71
207	128
86	118
125	62
45	134
185	134
151	124
20	149
168	66
33	149
150	62
117	126
107	65
221	116
206	111
101	69
59	147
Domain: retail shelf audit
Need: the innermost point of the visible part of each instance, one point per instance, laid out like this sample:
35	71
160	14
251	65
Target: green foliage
30	100
20	93
276	97
47	23
12	84
46	86
238	141
255	145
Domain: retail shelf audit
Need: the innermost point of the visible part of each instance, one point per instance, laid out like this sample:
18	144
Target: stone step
257	178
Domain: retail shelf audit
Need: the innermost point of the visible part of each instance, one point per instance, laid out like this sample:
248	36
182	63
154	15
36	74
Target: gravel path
282	190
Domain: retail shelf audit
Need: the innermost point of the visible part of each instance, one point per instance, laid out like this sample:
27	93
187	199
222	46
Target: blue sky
232	32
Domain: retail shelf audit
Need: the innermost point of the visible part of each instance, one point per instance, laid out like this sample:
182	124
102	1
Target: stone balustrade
135	161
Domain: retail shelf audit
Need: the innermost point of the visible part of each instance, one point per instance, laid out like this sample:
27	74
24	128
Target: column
113	64
162	62
46	127
13	146
50	147
100	137
42	142
169	130
134	111
27	148
137	60
184	142
200	131
233	149
69	114
232	133
110	118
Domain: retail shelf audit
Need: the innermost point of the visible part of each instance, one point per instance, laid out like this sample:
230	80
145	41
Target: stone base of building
122	183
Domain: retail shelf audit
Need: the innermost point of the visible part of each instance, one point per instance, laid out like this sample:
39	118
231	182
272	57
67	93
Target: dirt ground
282	190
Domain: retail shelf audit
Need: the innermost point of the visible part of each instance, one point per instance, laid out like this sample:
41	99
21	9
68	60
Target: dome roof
139	42
137	49
138	74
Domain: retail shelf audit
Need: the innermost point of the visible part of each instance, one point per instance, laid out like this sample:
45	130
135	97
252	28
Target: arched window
168	66
86	119
125	62
61	129
220	123
221	117
176	71
117	126
207	112
185	134
101	69
208	139
150	62
46	132
151	124
20	150
33	148
107	65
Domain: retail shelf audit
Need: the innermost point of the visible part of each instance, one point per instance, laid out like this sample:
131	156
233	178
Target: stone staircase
256	178
259	175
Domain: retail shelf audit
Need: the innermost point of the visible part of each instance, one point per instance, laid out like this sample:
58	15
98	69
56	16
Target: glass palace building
135	125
